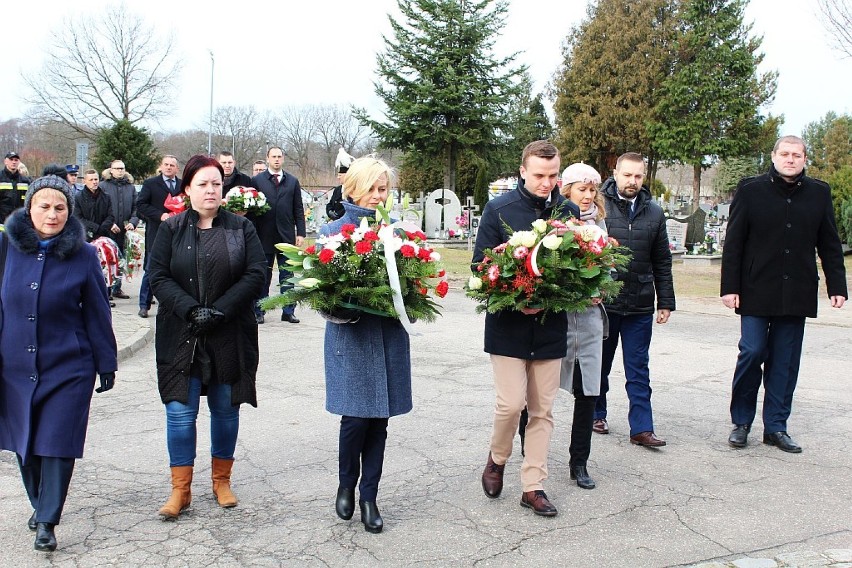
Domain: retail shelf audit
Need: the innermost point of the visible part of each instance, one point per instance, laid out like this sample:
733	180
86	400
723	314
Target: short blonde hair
598	200
362	174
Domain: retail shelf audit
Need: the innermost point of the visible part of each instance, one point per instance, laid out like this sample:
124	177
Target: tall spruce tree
444	90
607	86
709	106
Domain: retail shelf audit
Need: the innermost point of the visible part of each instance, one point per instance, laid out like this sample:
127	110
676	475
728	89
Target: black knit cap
49	182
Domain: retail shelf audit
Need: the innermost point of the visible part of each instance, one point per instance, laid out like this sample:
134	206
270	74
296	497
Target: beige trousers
519	383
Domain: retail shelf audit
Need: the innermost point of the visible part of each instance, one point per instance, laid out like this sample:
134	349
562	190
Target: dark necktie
275	180
171	183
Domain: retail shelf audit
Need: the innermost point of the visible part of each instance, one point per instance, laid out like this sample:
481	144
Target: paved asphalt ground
695	502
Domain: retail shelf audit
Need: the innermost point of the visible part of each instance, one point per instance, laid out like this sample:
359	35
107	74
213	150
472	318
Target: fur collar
23	236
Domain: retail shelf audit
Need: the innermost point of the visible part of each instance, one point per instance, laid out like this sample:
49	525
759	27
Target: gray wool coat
586	332
367	363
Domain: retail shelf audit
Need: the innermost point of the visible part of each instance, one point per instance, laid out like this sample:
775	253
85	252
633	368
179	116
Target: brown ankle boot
221	474
181	492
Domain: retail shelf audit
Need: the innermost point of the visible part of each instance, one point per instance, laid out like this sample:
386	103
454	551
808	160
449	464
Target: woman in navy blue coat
56	336
367	366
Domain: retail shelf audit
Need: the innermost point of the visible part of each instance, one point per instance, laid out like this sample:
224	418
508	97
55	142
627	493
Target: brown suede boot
181	495
221	474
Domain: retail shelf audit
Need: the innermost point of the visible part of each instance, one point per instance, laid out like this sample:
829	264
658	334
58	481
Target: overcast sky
324	51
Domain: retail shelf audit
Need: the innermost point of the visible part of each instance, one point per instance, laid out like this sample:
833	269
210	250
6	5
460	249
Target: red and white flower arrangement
382	269
557	266
241	199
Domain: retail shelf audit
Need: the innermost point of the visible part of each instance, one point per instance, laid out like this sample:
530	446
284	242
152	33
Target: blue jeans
635	332
283	284
775	343
181	424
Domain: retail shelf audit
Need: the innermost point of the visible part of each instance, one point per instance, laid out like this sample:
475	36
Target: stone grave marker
676	230
438	202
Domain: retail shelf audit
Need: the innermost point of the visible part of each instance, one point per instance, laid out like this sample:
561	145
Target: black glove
202	319
342	315
107	382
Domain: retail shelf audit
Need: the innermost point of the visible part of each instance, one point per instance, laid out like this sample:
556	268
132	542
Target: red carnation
407	251
371	236
424	291
442	288
311	249
326	255
442	273
363	247
347	229
424	254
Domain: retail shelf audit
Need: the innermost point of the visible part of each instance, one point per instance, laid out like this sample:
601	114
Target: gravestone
695	227
676	230
438	202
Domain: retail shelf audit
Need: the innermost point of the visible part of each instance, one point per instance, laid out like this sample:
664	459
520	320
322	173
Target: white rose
551	242
434	256
474	283
515	239
540	225
528	239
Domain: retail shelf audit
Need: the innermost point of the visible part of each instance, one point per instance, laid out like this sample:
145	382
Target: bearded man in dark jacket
769	276
525	346
233	176
637	222
94	208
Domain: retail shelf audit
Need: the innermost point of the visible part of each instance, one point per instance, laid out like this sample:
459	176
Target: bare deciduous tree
837	18
100	70
336	128
296	127
243	131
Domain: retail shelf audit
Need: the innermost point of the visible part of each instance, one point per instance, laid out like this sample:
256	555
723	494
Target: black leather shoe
371	517
580	473
45	540
120	295
782	441
739	435
31	524
259	319
345	503
290	318
143	312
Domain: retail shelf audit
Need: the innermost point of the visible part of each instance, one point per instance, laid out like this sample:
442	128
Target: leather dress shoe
290	318
32	523
120	295
739	435
492	478
600	426
371	517
45	540
259	319
143	312
581	474
345	503
647	439
112	304
782	441
539	503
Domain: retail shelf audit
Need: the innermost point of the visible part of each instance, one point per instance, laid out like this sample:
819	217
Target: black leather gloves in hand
202	319
107	382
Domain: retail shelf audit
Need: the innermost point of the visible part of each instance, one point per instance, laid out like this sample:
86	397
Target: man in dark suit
283	223
150	206
769	276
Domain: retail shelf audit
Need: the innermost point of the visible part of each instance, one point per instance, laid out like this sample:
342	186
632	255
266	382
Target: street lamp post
210	126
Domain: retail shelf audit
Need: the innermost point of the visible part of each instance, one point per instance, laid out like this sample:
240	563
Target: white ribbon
386	236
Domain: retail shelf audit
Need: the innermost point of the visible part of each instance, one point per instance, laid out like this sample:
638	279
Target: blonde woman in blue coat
367	366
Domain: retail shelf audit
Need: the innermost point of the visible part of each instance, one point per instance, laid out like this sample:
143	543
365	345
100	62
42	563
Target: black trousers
362	454
46	481
581	427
